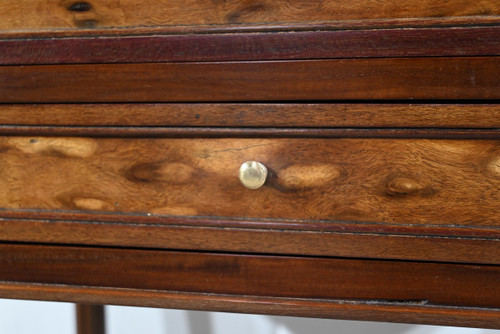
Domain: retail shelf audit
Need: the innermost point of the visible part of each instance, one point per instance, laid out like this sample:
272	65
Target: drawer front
444	78
40	15
396	181
229	274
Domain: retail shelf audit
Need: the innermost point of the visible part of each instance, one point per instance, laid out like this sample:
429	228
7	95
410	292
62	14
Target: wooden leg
90	319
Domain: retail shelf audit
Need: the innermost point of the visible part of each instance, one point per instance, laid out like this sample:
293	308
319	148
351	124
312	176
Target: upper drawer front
47	15
398	181
443	78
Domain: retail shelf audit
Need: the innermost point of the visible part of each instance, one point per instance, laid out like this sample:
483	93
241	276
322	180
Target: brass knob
253	174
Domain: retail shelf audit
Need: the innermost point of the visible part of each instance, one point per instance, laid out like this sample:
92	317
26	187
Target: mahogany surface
90	319
421	42
255	115
459	78
254	275
354	240
407	312
122	128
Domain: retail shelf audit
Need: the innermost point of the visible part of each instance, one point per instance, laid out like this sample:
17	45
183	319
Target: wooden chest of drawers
124	126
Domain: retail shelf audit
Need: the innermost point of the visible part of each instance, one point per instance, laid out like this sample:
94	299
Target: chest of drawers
125	126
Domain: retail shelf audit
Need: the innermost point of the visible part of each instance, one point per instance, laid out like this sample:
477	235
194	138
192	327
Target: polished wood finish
254	275
355	240
472	41
358	79
413	23
339	309
378	122
47	15
90	319
31	216
435	182
255	115
231	132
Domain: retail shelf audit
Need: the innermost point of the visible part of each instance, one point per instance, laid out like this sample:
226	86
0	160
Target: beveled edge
253	46
329	309
420	243
456	21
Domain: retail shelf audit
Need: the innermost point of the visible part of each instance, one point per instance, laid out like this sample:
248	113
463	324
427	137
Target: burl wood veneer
50	15
123	125
363	180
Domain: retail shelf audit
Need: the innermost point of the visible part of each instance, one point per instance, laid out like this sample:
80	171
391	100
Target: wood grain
253	132
26	15
468	41
255	115
405	23
341	240
340	79
90	319
435	182
332	309
253	275
12	218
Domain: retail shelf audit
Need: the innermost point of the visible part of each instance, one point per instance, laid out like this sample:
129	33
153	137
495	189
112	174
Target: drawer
397	181
421	78
314	279
338	222
125	127
446	294
50	16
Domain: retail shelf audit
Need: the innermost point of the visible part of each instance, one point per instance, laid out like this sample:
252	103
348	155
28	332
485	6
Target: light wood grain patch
70	147
36	15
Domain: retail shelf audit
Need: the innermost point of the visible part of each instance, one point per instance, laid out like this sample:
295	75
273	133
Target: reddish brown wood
251	115
219	132
253	275
398	181
470	41
400	201
347	241
122	221
90	319
357	79
352	310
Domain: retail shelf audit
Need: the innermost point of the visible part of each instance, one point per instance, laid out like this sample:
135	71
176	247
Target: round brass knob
253	174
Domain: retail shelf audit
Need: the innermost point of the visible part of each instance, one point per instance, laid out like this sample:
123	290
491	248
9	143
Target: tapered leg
90	319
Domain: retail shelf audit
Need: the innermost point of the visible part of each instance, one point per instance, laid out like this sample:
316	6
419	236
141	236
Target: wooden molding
332	309
199	116
376	241
442	78
420	42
